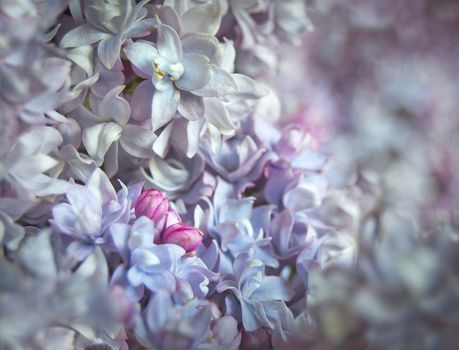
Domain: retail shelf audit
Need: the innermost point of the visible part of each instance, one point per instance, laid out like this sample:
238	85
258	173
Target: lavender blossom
253	292
92	209
109	24
178	70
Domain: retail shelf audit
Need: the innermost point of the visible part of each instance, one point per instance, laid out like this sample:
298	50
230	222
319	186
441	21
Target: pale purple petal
197	72
191	106
220	84
141	55
169	45
98	138
115	107
164	106
203	18
141	101
203	45
109	50
83	35
138	141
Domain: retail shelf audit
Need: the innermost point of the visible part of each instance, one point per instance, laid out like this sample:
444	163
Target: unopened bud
187	237
152	204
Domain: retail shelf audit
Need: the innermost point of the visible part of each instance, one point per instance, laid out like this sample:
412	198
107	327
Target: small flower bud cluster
170	230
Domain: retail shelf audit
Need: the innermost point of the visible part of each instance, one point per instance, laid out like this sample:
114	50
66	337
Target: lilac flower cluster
166	183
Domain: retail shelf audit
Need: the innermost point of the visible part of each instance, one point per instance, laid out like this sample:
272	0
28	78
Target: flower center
162	68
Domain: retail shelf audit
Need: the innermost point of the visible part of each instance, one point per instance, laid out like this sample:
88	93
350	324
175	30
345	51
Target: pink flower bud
169	219
152	204
187	237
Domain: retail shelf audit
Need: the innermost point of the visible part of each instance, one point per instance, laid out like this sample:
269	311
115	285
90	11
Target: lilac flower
175	175
239	160
291	332
179	70
223	334
252	293
165	325
163	266
110	24
240	227
26	166
37	270
192	16
93	208
106	127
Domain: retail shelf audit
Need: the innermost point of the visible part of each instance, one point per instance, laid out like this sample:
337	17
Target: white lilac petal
141	101
33	165
186	135
83	35
161	145
11	234
138	141
273	288
196	74
79	196
169	176
193	136
214	138
109	49
158	310
281	230
247	88
44	185
142	55
217	115
253	316
164	106
168	15
98	138
169	45
205	45
101	187
37	256
203	18
115	107
191	106
221	83
40	139
141	28
64	218
111	164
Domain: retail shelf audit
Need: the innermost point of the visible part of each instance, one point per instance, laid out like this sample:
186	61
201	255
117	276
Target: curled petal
115	107
137	141
98	138
217	115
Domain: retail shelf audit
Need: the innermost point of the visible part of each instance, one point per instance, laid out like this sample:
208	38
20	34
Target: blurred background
376	84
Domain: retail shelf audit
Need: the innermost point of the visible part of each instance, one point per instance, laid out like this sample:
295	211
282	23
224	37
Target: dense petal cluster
214	175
